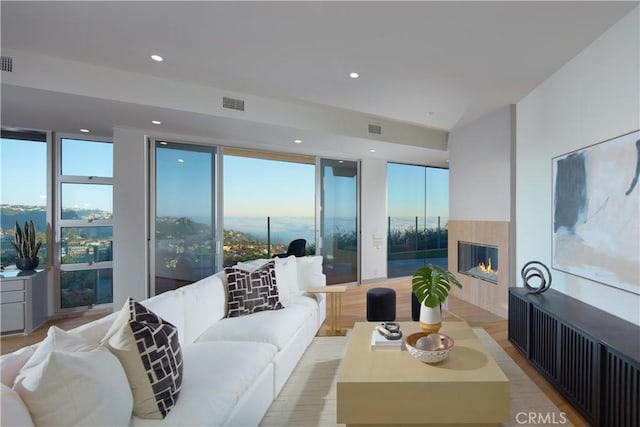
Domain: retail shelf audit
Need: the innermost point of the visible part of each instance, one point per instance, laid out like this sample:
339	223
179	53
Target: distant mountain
9	214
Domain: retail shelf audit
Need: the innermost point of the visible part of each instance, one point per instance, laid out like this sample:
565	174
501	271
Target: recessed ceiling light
163	142
84	130
354	75
156	122
447	161
157	58
180	161
372	150
297	141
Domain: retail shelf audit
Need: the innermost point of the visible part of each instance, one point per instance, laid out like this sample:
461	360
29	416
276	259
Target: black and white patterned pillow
149	351
254	291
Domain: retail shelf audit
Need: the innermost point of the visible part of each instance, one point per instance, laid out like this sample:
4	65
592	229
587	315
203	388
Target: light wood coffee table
391	387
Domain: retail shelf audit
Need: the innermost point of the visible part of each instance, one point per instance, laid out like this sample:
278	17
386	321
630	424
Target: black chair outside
297	247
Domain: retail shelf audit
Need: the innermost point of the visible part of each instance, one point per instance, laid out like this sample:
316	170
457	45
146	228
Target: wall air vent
375	129
6	63
234	104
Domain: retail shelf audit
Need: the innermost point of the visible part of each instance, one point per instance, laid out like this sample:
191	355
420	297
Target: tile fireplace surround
490	296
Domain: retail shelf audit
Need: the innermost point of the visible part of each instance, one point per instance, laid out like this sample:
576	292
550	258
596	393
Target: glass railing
413	242
247	238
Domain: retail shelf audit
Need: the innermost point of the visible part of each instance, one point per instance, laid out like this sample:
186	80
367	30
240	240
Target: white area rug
309	397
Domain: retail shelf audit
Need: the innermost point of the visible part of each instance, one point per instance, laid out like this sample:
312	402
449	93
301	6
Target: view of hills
9	214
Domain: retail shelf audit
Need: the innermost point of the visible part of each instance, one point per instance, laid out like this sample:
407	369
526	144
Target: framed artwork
596	212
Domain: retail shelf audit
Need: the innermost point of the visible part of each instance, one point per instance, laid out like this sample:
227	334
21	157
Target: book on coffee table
378	342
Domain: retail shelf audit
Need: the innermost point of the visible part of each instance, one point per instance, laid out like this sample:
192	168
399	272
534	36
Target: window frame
23	134
60	223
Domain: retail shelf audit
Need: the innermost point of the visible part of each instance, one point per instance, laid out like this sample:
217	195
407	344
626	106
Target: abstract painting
596	212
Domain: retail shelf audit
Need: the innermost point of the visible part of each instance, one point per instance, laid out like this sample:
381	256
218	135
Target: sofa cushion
13	411
216	375
287	277
148	348
309	270
205	303
170	307
251	292
66	380
273	327
10	364
95	331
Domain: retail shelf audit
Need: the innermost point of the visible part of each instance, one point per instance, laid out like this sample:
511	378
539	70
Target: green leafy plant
431	285
25	240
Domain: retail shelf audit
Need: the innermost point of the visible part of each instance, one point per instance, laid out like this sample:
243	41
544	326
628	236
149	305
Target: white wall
594	97
373	213
130	205
480	169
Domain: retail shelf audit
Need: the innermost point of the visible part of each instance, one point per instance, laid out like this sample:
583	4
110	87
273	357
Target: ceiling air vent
375	129
234	104
6	63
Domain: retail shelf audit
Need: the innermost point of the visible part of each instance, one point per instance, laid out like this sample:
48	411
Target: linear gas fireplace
479	261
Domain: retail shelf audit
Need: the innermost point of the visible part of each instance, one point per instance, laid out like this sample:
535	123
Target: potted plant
27	245
431	285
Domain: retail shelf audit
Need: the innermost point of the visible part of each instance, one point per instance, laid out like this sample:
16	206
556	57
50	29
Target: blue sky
407	186
255	187
23	175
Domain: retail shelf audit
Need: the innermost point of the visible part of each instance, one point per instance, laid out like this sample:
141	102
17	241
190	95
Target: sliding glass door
183	231
339	220
418	208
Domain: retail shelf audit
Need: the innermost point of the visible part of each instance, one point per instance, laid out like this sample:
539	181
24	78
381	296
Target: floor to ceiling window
418	209
269	201
339	220
23	188
84	222
183	208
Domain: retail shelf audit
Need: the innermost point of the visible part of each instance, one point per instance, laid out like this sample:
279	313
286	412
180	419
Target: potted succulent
431	285
27	245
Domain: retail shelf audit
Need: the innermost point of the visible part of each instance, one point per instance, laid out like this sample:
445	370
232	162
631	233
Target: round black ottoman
381	305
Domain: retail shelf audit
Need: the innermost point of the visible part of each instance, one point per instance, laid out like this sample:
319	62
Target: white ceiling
434	64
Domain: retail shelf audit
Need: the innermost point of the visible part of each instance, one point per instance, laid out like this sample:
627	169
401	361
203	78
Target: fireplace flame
487	269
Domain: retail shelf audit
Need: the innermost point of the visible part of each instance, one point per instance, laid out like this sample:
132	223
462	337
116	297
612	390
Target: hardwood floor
354	310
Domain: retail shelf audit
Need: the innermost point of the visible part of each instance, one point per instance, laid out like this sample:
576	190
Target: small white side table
334	308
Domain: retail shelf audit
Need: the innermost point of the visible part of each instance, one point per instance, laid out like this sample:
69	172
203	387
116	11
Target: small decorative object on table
530	271
431	286
27	245
429	348
387	336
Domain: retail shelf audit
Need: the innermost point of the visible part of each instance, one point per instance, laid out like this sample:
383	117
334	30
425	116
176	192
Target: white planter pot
430	318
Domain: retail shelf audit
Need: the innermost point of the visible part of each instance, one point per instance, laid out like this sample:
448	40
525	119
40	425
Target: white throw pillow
69	381
252	264
10	364
287	278
13	411
310	273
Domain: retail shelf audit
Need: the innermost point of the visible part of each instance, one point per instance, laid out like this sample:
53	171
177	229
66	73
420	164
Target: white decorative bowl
429	348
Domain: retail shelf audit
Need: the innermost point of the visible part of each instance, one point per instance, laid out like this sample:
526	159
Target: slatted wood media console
590	356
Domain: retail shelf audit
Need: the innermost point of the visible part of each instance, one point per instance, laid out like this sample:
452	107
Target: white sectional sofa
233	368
